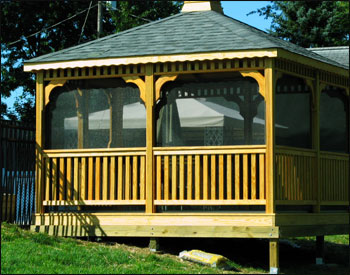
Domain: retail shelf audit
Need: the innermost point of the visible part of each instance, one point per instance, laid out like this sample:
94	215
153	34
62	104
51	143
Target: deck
198	192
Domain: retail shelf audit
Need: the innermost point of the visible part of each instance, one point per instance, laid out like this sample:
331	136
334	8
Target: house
237	134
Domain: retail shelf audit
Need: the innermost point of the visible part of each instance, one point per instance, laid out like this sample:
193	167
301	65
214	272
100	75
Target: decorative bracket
311	84
161	81
139	83
258	77
52	85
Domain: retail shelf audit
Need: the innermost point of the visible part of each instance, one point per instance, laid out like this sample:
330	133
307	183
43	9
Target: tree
21	19
309	23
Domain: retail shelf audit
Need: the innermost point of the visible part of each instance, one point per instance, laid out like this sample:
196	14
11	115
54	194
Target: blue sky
235	9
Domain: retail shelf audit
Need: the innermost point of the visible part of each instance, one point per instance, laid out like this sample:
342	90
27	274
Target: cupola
202	6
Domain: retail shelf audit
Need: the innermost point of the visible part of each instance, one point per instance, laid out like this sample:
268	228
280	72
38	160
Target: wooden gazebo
196	125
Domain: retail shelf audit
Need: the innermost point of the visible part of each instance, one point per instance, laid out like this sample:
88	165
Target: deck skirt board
160	231
206	225
64	219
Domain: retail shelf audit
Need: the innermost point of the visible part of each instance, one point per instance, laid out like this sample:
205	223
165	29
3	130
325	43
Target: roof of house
183	33
339	54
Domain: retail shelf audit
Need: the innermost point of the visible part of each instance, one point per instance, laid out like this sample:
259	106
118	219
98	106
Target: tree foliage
309	23
20	19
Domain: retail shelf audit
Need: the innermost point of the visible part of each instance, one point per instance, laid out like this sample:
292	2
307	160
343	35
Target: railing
210	176
334	178
296	172
94	177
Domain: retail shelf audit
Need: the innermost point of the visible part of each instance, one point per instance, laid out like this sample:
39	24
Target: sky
235	9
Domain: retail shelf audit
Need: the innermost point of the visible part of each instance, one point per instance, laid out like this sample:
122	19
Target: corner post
270	77
149	81
274	256
316	138
39	140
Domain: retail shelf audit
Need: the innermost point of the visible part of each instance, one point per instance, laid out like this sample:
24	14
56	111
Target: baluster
90	178
112	178
205	178
105	178
174	178
61	180
83	180
166	177
182	177
135	178
142	178
159	178
253	176
189	177
229	176
245	176
197	178
213	177
120	178
262	176
237	177
69	179
127	178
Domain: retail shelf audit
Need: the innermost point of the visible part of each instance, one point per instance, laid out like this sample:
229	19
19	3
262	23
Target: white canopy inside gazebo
192	113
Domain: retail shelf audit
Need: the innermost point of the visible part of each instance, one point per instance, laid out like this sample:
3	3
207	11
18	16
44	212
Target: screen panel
210	110
95	114
293	112
334	120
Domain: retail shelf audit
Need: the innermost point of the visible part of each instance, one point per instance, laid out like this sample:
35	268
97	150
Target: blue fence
17	172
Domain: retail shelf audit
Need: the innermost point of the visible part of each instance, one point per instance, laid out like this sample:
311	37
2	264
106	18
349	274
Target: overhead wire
69	18
82	29
50	27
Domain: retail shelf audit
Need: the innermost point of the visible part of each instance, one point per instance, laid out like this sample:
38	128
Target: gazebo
196	125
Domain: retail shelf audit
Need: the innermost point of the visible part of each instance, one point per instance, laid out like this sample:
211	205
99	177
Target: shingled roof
338	54
183	33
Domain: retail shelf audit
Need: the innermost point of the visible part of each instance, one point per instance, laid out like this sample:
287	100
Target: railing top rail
296	151
139	151
209	147
326	154
212	150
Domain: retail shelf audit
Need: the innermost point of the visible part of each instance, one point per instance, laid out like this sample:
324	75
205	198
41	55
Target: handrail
335	155
296	151
140	151
212	150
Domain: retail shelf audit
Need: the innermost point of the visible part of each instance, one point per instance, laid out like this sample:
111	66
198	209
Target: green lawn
27	252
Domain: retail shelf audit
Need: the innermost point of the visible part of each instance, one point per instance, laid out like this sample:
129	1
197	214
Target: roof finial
202	6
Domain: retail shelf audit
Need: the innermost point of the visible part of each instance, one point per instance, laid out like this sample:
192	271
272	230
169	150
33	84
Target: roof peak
214	5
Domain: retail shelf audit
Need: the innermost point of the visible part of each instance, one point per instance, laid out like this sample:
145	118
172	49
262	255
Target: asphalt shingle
338	54
183	33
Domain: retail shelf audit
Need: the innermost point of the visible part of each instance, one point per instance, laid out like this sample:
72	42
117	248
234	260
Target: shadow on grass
297	256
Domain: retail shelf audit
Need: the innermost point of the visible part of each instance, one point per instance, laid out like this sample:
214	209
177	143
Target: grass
25	252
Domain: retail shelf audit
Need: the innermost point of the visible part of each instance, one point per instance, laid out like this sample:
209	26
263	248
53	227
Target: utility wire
135	16
50	27
82	29
144	19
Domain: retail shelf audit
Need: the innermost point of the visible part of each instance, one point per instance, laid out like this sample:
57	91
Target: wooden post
316	138
270	134
99	18
149	80
274	256
39	104
154	244
319	250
